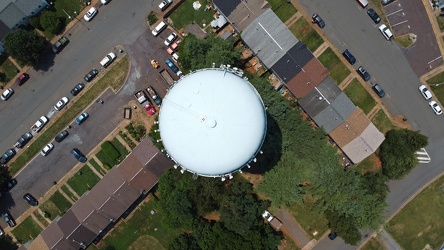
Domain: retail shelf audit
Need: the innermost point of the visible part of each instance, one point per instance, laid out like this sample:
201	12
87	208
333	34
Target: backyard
302	30
26	230
359	96
338	71
56	205
83	180
421	222
186	14
309	219
437	87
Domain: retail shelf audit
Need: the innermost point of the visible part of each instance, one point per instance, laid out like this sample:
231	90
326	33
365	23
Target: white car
170	39
435	107
7	93
425	92
175	57
90	14
104	1
108	59
385	32
164	4
47	149
267	216
60	104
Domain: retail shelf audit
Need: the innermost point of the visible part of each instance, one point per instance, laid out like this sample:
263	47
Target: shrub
107	166
152	18
35	22
110	150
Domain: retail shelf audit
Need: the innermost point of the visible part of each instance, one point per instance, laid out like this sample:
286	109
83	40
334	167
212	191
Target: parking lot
410	17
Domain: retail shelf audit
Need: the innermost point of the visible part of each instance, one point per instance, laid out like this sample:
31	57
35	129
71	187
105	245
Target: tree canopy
25	46
51	22
398	152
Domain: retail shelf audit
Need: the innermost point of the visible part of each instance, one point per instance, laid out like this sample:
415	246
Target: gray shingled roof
364	145
268	38
11	15
28	6
226	6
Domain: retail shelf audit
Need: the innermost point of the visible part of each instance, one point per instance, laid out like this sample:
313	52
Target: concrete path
388	241
292	228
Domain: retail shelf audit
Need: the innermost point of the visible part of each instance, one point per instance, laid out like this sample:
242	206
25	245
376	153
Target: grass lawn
303	31
373	244
105	159
309	219
119	146
338	71
83	182
404	40
369	164
185	14
69	193
421	222
382	122
39	216
283	9
8	69
440	20
359	96
56	205
141	226
26	230
96	165
437	90
116	74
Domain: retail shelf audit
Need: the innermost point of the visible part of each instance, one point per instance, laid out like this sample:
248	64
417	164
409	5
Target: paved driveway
407	16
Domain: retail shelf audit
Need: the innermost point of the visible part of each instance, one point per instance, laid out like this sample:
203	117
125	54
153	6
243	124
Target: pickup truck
166	76
156	98
145	102
141	96
274	222
39	124
108	59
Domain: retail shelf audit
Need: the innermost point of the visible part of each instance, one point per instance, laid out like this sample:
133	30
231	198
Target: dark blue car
78	155
172	66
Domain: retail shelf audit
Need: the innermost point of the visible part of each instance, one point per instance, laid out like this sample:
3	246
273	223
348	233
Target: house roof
29	6
311	75
11	15
268	38
351	128
4	29
364	145
52	234
293	61
241	13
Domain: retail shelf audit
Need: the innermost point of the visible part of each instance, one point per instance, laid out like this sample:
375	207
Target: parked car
385	32
332	236
164	4
76	90
385	2
435	107
2	232
90	76
7	93
47	149
318	20
60	44
61	103
30	199
350	58
172	66
90	14
153	94
9	185
78	155
60	137
170	39
378	90
21	79
8	219
7	156
425	92
104	1
373	15
25	138
364	74
82	118
149	108
108	59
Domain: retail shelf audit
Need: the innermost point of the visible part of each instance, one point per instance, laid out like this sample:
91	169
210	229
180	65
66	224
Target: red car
22	79
149	109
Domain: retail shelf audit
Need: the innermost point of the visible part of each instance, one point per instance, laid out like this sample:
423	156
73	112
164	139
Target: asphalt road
348	26
117	23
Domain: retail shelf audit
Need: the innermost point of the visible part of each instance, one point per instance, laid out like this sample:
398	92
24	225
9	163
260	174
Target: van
161	26
363	3
350	58
378	90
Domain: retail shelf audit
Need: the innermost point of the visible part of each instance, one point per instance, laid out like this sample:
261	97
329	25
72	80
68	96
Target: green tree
4	175
25	46
397	152
7	243
35	22
206	193
184	242
344	227
51	22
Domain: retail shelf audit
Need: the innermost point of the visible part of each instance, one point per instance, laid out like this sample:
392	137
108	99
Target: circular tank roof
212	122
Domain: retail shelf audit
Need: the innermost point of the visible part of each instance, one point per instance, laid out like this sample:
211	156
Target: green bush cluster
127	140
152	18
137	132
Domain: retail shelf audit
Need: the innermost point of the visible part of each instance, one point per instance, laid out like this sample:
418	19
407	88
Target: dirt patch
400	121
215	216
146	242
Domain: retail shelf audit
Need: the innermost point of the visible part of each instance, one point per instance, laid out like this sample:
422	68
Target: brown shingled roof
312	74
351	128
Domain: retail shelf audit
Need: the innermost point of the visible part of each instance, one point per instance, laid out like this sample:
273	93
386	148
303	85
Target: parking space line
434	59
393	25
393	13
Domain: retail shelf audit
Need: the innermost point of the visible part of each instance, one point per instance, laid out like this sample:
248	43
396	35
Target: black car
318	20
30	199
8	219
350	58
364	74
373	15
90	76
78	155
60	44
25	138
7	156
60	137
11	183
21	79
378	90
76	90
332	236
